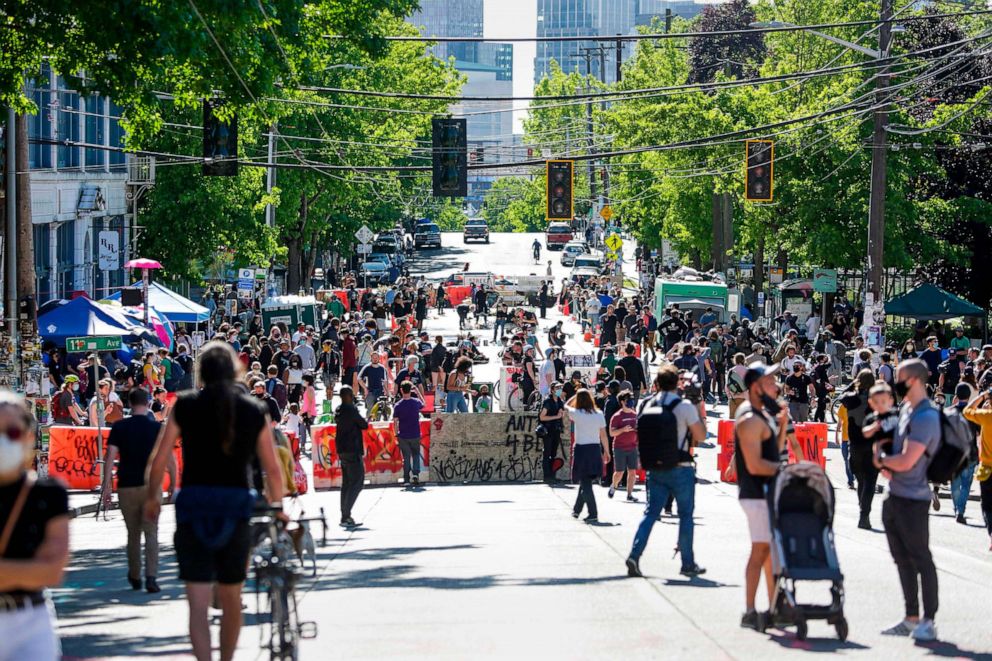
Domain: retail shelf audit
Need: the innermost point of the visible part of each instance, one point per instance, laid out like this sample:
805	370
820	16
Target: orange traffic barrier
73	453
725	435
595	341
812	438
722	462
587	336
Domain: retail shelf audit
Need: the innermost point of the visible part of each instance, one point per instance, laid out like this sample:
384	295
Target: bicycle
276	566
516	400
382	410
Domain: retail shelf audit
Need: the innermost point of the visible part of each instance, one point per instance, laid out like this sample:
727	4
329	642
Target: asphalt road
503	571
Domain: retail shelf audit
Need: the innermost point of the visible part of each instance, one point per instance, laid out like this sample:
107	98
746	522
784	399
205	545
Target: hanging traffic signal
449	157
559	190
220	143
759	173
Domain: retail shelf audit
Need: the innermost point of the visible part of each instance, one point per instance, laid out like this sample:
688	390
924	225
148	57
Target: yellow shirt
842	421
983	418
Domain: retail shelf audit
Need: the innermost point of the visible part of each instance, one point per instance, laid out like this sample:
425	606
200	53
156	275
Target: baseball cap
757	370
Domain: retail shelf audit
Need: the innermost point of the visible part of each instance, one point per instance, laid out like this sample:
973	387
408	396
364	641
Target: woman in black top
223	431
821	381
34	540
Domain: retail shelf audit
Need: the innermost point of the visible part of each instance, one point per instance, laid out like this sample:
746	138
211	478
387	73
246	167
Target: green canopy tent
931	303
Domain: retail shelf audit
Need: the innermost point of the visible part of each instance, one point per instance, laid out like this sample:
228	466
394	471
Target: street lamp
876	204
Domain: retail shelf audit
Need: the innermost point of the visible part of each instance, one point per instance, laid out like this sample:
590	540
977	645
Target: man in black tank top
759	436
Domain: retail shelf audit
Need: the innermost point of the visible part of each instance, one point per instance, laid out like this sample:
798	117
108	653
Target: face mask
75	386
11	454
770	403
901	388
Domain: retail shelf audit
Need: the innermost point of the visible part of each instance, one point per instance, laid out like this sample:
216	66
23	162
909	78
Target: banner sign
383	459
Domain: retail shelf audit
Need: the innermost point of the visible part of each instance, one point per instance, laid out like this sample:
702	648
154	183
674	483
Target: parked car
557	236
428	236
572	250
387	244
475	229
585	267
373	273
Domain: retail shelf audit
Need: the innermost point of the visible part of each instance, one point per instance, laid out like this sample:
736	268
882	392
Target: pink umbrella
142	263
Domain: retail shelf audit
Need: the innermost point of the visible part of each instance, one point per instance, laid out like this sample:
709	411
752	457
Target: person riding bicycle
536	247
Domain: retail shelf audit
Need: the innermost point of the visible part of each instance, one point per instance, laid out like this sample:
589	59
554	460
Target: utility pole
876	205
10	234
619	58
668	19
270	177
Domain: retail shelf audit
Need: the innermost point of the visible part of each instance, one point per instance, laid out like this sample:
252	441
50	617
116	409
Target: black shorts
227	565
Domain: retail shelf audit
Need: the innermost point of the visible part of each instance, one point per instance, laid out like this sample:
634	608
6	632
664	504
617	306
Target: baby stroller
801	507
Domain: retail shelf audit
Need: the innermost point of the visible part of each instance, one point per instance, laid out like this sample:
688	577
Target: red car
558	234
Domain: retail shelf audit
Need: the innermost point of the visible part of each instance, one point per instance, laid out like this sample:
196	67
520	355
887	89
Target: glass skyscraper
576	18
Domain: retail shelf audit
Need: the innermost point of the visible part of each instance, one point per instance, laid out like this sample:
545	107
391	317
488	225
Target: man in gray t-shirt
906	510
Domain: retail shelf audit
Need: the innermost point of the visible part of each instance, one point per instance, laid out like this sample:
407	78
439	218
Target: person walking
678	422
406	413
591	450
34	541
906	510
759	437
351	450
979	411
860	453
623	430
224	432
132	440
800	389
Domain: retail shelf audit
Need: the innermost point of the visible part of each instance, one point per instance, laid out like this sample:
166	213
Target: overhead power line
675	35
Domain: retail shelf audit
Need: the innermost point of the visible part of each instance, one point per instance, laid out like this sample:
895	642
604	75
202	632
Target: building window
117	158
43	262
94	132
40	125
67	257
68	128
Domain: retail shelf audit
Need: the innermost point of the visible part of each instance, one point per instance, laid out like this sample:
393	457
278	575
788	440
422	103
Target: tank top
753	486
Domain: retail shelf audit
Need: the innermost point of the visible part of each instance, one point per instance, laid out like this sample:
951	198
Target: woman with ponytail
223	431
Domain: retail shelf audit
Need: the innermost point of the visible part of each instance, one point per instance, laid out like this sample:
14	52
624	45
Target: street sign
606	212
614	242
364	248
246	281
96	343
364	235
761	299
110	250
825	280
775	275
611	255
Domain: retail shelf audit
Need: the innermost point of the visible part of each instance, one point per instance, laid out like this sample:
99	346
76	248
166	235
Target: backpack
953	449
58	413
178	376
735	383
658	439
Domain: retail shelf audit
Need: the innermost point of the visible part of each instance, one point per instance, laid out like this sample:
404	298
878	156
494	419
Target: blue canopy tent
177	309
82	317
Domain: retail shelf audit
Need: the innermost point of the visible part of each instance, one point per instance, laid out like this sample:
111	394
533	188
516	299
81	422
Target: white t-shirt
546	376
586	425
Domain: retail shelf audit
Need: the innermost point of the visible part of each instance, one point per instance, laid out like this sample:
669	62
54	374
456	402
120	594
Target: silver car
572	250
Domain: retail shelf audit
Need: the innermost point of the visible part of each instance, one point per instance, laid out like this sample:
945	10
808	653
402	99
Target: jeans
821	409
867	474
799	411
960	486
551	442
845	453
132	503
907	528
586	497
455	402
410	448
352	481
498	328
593	321
680	481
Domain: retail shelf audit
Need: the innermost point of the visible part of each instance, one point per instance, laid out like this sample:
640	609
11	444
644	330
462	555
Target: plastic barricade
812	438
428	403
73	456
457	293
383	460
727	443
587	336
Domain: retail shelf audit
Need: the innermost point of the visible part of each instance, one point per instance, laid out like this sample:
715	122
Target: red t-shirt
348	356
627	440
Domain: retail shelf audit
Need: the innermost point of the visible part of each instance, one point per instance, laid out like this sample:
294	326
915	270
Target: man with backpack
905	512
182	366
667	428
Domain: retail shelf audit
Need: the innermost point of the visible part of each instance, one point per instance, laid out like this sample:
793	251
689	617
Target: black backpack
658	439
953	449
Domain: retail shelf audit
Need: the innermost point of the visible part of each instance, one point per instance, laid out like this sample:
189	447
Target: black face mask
770	403
901	388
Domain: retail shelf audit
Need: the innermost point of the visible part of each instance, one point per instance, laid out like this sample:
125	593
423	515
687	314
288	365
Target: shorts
624	460
227	565
758	524
328	380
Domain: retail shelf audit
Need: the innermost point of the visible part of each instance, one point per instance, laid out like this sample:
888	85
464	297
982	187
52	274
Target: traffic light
220	143
449	157
560	196
759	174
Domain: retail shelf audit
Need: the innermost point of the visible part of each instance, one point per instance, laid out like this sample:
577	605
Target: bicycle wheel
534	401
282	640
834	409
515	400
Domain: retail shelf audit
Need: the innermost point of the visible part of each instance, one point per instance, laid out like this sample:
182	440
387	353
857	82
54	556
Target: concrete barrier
490	447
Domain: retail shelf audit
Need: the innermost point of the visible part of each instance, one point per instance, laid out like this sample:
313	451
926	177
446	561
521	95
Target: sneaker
904	628
850	485
925	631
634	568
631	499
935	499
135	583
151	585
668	511
960	519
751	620
415	480
864	523
612	492
591	519
575	514
692	571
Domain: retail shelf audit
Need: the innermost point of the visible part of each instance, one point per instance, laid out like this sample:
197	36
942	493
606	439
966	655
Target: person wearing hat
960	342
759	439
572	385
550	418
65	409
529	373
757	354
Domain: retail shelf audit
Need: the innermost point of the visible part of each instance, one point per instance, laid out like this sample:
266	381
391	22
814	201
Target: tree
515	204
737	55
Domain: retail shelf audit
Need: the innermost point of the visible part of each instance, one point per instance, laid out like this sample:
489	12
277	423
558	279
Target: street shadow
698	582
788	640
394	552
100	645
401	576
494	502
602	524
949	649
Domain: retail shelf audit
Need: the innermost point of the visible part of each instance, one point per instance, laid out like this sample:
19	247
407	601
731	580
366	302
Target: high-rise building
577	18
648	10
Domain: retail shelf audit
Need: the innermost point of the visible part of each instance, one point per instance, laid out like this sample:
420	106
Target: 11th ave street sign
97	343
